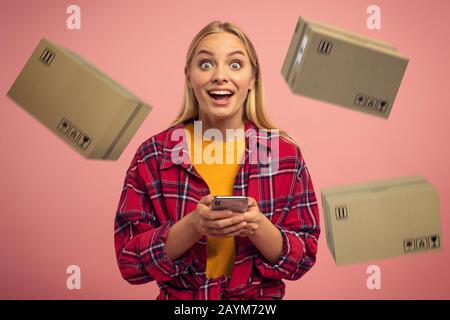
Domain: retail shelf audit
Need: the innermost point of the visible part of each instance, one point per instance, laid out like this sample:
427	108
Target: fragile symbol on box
383	106
409	245
421	243
370	103
434	241
325	47
64	126
341	212
47	56
360	100
84	141
74	133
78	137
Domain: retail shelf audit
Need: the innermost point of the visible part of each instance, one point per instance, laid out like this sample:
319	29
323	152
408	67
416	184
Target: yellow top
218	164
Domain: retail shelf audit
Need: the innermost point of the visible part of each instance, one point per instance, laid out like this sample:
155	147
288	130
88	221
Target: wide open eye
235	65
205	65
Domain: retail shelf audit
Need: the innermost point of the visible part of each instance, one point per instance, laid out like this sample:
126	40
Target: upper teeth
221	92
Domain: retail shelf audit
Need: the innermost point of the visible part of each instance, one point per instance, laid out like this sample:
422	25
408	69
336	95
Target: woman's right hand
215	223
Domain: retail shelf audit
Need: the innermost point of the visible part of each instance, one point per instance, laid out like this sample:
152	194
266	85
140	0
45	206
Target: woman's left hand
253	218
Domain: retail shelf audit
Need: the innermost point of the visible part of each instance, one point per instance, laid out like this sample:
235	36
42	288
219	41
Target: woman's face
220	75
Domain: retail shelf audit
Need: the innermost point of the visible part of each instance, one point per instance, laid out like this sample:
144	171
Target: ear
252	83
188	78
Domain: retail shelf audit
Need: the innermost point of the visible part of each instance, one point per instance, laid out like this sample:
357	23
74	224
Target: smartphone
235	203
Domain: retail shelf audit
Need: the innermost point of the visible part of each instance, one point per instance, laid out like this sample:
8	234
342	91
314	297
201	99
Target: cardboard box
343	68
381	219
92	113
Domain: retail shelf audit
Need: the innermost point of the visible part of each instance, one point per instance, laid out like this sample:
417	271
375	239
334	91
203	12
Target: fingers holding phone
216	223
253	218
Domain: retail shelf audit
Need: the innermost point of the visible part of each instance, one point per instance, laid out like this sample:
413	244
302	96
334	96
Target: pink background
58	208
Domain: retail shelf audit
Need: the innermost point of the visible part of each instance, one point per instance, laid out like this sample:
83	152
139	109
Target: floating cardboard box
381	219
88	110
343	68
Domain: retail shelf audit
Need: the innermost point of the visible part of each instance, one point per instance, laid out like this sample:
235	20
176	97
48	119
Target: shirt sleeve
299	229
139	236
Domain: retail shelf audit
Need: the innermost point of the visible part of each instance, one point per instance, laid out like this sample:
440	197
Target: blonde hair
254	104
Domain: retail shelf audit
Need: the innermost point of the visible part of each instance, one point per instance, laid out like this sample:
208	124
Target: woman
165	229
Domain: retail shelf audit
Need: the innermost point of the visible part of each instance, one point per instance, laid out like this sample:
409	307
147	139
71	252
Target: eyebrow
229	54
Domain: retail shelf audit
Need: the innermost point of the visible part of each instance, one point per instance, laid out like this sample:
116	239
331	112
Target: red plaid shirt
158	192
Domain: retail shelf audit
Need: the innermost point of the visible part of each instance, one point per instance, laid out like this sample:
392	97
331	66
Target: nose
220	75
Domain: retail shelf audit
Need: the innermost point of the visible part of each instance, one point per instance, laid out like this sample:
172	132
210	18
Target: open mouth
220	96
